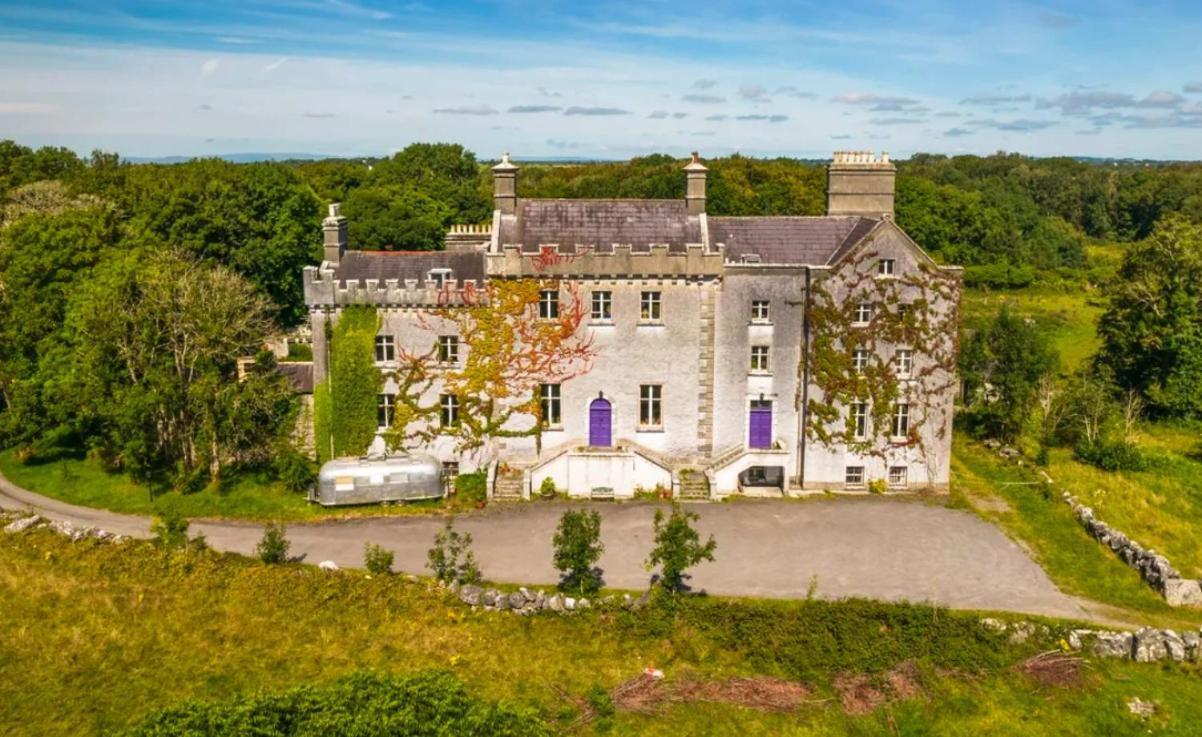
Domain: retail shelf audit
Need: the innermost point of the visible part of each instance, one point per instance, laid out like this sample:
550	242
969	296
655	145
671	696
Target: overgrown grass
246	496
1044	524
98	636
1068	315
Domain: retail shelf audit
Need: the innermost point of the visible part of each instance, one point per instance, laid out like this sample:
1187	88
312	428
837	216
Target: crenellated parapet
619	260
324	289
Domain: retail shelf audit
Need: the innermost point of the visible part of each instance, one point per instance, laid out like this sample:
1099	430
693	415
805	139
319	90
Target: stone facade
726	350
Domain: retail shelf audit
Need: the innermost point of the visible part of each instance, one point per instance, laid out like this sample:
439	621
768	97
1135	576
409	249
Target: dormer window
885	267
440	277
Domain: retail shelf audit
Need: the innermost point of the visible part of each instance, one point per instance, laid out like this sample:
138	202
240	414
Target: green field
247	496
97	636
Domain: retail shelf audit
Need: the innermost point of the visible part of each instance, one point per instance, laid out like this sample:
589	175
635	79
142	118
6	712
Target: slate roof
409	265
788	240
600	223
299	375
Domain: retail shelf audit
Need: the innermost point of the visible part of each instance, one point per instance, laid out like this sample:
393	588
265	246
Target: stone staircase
508	485
694	485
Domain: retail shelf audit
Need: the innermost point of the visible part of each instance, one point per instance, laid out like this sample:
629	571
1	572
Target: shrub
273	548
877	486
472	487
999	276
451	559
294	469
546	489
364	704
1112	455
376	559
677	547
170	529
578	547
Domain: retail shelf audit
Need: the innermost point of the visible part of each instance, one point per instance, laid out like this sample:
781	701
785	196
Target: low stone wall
74	532
1146	645
527	601
1153	567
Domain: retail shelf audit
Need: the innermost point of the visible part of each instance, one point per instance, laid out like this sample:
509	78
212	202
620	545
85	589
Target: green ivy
344	406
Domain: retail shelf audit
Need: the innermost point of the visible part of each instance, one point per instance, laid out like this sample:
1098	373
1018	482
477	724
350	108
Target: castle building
710	361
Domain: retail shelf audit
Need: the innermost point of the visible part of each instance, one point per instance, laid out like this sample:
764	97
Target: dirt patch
1055	669
861	694
646	694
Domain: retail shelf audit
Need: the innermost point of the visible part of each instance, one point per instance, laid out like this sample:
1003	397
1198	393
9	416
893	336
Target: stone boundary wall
1146	645
1154	568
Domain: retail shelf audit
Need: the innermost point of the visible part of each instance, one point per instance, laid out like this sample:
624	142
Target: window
759	358
602	306
863	313
859	360
901	420
448	349
385	407
649	307
549	402
858	420
759	310
897	475
448	410
440	277
548	304
385	349
650	396
903	362
884	267
854	476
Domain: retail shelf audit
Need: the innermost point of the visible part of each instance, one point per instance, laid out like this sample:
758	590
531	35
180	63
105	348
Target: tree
273	548
155	343
396	217
1152	329
376	559
1003	366
451	559
578	547
678	547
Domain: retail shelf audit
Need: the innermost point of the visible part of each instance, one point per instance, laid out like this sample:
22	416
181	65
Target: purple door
761	424
600	424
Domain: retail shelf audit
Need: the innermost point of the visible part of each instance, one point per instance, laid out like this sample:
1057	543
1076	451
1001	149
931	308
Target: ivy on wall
918	311
344	405
510	351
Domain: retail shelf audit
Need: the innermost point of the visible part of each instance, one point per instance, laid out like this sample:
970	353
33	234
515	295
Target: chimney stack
860	183
505	186
694	195
334	230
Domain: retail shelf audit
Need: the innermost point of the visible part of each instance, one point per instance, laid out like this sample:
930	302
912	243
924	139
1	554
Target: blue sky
604	79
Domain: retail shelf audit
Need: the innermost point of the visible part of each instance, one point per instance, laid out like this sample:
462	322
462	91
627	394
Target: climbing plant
917	310
345	404
510	352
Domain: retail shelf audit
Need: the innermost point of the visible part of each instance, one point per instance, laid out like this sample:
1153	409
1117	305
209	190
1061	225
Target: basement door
760	424
600	423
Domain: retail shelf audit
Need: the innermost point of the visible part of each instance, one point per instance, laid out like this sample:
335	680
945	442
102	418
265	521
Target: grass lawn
97	636
1017	501
1067	315
84	482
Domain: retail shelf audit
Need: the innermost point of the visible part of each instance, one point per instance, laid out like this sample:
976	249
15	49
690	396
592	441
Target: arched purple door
600	423
760	424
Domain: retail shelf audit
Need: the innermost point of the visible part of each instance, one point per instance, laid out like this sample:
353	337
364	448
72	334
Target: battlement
324	289
619	260
861	157
468	237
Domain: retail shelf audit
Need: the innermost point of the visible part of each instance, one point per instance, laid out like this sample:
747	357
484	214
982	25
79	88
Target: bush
364	704
451	559
999	276
376	559
472	487
578	547
294	469
546	489
677	547
1112	455
170	529
273	548
877	486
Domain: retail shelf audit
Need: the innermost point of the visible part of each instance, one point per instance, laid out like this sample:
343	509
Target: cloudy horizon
343	77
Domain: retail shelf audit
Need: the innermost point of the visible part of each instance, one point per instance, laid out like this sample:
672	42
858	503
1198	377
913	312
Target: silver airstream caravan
375	479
